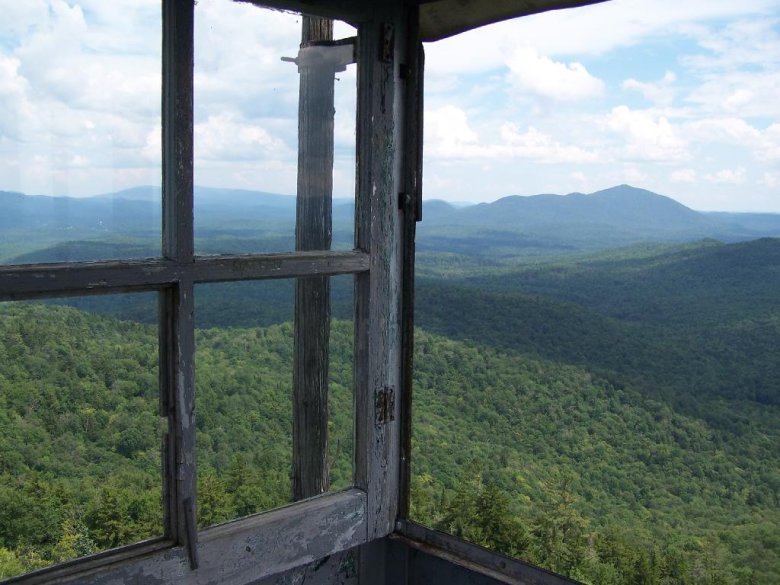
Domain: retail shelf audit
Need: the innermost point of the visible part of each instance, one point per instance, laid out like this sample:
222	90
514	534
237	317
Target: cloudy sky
676	97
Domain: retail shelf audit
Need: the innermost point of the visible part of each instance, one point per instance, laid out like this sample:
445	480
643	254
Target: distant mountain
750	225
124	208
438	208
144	193
510	227
23	212
612	217
126	224
621	207
205	195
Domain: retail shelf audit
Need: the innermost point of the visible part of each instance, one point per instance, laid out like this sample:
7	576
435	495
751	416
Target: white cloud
634	176
99	64
82	84
11	83
81	81
745	42
660	93
448	134
683	176
770	147
771	180
742	93
731	130
647	136
588	30
550	79
738	67
541	147
79	93
763	144
727	176
152	148
230	137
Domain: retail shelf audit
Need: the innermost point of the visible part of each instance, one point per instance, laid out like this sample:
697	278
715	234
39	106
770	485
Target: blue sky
676	97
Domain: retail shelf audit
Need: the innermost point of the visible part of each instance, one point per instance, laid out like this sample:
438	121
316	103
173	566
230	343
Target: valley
606	403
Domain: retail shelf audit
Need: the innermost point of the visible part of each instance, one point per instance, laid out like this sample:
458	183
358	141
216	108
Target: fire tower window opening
330	276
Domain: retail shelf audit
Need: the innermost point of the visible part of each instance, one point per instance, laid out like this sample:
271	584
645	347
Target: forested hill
550	462
646	313
694	285
612	414
643	314
623	207
545	224
44	228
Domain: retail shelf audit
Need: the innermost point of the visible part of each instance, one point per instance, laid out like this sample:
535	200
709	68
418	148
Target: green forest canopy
535	458
558	418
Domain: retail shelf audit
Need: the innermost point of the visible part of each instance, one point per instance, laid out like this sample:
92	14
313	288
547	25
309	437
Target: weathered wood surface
377	294
336	569
313	231
177	318
412	213
39	280
479	560
254	548
177	131
241	552
440	19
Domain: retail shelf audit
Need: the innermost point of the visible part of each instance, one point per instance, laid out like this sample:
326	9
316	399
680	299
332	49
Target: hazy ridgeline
606	404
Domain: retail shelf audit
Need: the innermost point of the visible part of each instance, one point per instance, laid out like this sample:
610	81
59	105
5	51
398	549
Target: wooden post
313	231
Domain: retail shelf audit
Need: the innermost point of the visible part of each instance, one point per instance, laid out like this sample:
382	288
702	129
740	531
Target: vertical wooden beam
177	337
412	213
177	119
377	294
313	231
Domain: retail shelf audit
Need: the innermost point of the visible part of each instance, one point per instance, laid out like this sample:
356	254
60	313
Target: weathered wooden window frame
250	548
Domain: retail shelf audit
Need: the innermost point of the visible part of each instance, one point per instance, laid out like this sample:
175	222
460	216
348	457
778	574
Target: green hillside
563	445
697	320
678	341
552	462
80	450
698	284
43	228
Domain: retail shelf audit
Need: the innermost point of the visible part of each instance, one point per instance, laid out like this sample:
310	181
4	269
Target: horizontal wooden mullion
239	552
49	280
229	268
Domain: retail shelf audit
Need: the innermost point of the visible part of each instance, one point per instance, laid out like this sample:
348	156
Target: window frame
264	544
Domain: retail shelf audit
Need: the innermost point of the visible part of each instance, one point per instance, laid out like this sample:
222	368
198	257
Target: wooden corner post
313	231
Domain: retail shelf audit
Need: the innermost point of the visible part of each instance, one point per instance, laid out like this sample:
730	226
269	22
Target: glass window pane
248	150
596	386
79	131
244	378
80	461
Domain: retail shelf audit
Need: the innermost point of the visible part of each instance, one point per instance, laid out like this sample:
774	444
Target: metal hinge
385	405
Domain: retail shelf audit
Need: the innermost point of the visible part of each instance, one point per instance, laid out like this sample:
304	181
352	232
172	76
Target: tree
559	528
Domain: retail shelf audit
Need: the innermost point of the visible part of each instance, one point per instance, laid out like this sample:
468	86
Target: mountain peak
625	190
620	209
